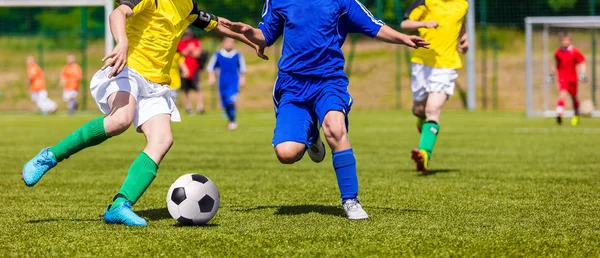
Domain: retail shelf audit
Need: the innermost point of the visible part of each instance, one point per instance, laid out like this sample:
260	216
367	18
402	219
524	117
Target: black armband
205	21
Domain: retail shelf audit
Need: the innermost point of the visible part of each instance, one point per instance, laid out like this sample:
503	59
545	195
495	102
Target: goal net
542	41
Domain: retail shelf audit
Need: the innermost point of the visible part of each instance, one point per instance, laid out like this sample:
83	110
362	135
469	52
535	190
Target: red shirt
566	63
190	62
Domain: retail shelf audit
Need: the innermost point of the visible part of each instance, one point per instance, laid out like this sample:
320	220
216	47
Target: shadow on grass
177	225
61	220
302	209
155	214
432	172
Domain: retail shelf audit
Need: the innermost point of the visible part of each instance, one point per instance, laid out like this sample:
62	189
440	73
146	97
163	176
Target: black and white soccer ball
193	199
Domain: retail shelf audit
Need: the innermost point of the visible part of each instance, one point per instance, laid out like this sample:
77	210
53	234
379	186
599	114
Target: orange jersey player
568	58
37	87
70	78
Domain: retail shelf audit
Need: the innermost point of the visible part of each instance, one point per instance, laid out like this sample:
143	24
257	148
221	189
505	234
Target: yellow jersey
154	31
450	16
175	73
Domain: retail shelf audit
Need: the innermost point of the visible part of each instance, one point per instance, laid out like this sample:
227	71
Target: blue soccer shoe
38	166
123	215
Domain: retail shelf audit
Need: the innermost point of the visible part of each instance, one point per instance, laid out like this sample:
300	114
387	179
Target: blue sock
344	164
230	109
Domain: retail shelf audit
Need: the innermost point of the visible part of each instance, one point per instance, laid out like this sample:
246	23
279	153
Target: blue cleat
38	166
123	215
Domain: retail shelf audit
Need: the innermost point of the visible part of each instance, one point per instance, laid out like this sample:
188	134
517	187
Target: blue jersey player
312	89
232	75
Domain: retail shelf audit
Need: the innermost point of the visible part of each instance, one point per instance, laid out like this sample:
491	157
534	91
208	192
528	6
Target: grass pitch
500	185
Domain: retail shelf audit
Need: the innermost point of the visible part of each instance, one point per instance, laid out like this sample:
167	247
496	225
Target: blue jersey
314	32
231	64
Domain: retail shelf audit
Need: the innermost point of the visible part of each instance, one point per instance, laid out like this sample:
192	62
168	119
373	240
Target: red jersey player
567	59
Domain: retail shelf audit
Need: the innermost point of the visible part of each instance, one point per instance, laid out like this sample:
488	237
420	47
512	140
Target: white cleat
354	210
231	126
317	151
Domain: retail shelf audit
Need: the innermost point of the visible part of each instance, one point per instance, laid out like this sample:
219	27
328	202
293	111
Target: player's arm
389	35
118	57
463	40
224	29
268	31
210	68
410	25
243	69
582	67
63	78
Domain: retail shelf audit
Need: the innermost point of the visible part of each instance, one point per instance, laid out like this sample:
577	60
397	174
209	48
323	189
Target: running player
191	49
232	76
568	58
37	87
178	70
440	22
312	88
132	88
70	78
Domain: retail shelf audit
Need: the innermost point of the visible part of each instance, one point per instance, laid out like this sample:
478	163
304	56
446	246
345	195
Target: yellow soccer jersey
154	30
175	76
450	15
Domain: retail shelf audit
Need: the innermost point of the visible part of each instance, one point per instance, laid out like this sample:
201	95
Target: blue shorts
228	99
301	104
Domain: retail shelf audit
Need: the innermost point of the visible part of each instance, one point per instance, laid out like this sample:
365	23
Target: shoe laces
352	205
45	161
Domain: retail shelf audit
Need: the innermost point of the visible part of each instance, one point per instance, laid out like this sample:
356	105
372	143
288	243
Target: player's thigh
573	88
441	80
294	123
418	82
157	102
334	97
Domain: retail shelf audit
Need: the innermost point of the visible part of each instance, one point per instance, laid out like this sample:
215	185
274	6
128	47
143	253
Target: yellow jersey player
178	70
440	22
132	87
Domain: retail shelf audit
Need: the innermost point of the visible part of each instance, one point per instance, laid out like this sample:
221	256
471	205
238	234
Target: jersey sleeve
212	63
272	24
78	72
579	57
205	21
242	64
362	20
137	6
416	11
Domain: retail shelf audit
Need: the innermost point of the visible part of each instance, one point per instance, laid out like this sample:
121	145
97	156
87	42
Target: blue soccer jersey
314	32
231	64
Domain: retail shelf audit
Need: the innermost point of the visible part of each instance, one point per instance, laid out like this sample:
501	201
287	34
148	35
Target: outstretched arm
410	25
224	28
389	35
255	35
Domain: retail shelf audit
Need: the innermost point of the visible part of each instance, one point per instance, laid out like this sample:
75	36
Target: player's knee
418	110
115	125
162	144
433	114
335	131
289	153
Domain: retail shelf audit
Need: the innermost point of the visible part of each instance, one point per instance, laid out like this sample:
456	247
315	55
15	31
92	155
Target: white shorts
151	98
38	96
69	95
174	94
427	79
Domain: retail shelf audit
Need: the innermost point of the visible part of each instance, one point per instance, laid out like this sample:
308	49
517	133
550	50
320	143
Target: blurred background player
232	76
37	87
70	78
440	22
312	88
178	70
191	49
568	58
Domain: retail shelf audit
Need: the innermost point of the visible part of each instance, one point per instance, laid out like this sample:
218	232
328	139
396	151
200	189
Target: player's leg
229	102
439	87
563	93
119	107
293	132
575	100
186	88
199	97
418	84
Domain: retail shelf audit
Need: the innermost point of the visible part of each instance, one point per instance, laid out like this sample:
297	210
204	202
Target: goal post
541	94
108	8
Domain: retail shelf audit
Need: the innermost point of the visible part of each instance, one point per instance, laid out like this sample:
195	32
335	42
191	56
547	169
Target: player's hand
431	25
117	59
242	81
582	77
185	73
414	41
237	27
260	52
212	80
463	46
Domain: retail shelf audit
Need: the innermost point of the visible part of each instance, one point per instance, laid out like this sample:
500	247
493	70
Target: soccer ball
193	199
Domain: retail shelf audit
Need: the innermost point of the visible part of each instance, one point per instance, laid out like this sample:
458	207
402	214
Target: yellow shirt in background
450	15
175	75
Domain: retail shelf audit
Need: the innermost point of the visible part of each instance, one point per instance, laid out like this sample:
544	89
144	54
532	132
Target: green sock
429	136
141	174
90	134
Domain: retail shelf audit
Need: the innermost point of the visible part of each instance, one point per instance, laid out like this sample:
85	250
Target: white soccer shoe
317	151
354	210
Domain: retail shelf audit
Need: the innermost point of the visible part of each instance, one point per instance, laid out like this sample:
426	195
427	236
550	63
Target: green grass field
501	185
